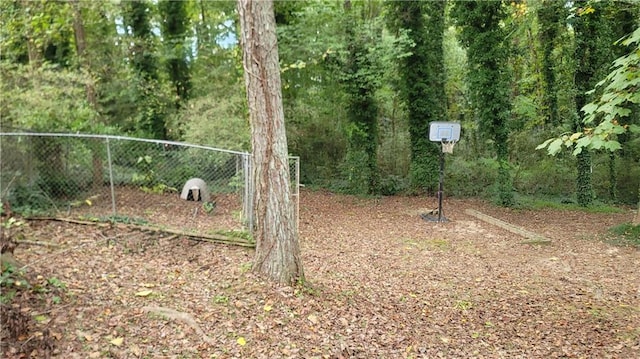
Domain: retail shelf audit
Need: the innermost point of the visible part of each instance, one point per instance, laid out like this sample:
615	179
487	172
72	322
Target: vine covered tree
277	248
594	37
423	80
361	82
144	61
482	32
550	14
604	120
175	24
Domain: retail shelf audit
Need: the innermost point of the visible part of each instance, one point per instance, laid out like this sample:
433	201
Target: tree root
37	243
183	317
215	238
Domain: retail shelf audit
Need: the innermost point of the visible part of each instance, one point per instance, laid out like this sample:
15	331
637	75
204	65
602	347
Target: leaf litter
381	283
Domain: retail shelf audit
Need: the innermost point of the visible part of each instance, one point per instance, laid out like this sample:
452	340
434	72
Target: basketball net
447	146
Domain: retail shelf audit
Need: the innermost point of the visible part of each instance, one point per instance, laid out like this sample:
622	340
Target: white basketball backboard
444	131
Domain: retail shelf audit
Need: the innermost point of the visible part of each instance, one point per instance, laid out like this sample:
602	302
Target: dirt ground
381	283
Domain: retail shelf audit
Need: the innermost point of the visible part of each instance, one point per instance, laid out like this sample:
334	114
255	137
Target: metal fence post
248	192
113	192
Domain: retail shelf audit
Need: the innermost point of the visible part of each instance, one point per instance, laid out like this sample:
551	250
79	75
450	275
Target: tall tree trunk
174	31
594	37
487	52
35	56
277	247
362	106
423	78
549	15
144	60
85	64
81	49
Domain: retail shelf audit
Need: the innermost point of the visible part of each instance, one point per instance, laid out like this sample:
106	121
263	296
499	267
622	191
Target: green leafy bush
29	199
546	177
218	122
470	178
392	185
354	175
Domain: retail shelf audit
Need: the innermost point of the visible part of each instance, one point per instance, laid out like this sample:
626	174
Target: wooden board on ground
534	238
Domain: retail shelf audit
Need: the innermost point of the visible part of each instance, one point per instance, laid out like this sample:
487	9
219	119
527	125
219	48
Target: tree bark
81	46
277	248
85	64
35	56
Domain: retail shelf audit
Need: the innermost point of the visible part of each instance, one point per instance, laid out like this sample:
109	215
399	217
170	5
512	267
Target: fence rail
128	179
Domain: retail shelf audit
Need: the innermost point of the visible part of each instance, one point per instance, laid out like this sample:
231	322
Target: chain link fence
129	180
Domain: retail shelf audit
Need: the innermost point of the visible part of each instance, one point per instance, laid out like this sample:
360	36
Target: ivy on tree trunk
549	15
362	108
483	34
144	61
174	29
423	77
594	39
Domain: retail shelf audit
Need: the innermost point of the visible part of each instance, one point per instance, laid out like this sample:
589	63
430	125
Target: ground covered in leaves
381	283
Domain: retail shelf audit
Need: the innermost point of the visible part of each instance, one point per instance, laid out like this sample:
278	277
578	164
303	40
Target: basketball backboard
444	131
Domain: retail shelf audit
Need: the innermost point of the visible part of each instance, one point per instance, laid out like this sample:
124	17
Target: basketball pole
447	133
441	218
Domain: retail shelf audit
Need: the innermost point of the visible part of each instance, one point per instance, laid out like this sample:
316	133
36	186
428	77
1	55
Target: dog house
195	189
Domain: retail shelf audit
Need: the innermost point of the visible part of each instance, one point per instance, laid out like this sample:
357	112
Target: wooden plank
534	238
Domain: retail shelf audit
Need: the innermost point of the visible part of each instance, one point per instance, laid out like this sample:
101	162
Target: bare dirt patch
382	283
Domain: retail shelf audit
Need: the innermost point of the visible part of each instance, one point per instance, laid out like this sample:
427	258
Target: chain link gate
121	179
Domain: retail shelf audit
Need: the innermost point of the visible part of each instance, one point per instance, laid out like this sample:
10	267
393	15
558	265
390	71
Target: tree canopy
361	81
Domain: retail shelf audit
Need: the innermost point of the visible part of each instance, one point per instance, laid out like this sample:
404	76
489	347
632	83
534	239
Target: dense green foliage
595	36
550	14
174	27
423	82
360	80
359	98
484	36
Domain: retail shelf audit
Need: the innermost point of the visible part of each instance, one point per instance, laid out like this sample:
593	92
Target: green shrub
391	185
470	178
628	181
354	175
547	177
28	199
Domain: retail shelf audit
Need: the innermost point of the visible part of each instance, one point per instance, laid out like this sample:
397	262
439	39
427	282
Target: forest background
361	80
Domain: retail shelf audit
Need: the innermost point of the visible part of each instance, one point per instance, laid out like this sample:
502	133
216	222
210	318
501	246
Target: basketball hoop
447	133
447	146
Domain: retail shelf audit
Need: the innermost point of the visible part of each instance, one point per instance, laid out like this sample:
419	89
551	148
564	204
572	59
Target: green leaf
577	151
617	129
575	136
584	142
596	142
555	146
612	145
589	108
40	318
544	144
